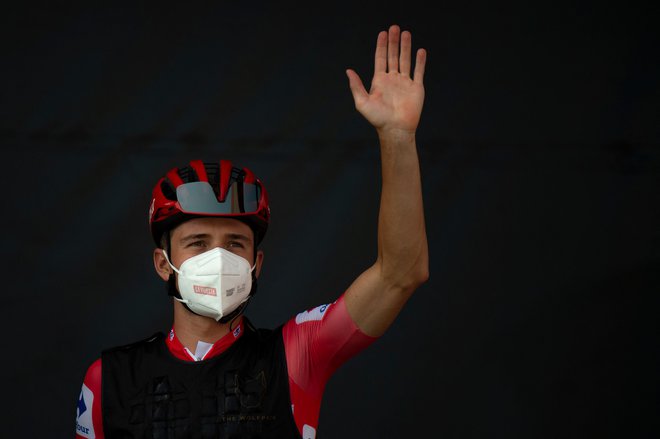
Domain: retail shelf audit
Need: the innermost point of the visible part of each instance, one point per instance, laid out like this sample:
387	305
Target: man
214	375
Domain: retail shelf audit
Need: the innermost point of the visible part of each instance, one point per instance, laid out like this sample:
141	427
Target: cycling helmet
202	189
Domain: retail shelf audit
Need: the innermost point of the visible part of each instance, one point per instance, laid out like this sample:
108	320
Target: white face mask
214	283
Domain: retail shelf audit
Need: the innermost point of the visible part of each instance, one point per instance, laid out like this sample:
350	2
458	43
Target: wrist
395	135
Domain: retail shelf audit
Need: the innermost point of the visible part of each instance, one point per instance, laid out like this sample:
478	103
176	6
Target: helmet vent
188	174
168	190
236	175
212	172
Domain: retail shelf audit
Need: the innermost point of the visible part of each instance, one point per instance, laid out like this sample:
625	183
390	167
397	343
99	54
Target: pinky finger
420	64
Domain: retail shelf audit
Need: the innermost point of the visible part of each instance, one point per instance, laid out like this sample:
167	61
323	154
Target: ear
259	262
160	264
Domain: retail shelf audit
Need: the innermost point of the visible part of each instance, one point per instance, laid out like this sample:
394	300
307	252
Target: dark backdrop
539	153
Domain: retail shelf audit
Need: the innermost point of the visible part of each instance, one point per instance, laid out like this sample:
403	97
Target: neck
191	328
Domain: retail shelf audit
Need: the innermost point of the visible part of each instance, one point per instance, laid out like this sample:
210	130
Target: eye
197	244
235	244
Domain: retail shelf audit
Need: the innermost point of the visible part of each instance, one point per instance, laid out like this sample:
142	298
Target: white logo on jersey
314	314
84	424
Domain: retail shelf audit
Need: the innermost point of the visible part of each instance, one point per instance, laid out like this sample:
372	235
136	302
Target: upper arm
89	422
318	341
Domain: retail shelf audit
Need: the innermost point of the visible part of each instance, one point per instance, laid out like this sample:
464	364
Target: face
199	235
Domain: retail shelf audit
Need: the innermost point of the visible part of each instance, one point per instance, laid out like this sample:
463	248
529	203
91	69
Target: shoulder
313	320
326	333
93	375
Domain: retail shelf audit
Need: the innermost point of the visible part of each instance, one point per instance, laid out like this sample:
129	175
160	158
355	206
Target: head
203	206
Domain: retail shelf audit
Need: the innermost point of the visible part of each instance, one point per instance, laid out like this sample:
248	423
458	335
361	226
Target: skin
393	105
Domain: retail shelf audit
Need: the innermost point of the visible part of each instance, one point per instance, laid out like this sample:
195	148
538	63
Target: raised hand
395	100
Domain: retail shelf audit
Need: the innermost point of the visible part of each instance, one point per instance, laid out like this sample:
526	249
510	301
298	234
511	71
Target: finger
393	49
420	65
380	63
357	88
404	59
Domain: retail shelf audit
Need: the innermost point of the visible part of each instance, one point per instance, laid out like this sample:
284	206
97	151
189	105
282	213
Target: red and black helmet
203	189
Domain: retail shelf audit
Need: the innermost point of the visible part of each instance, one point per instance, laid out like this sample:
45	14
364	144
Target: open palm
395	100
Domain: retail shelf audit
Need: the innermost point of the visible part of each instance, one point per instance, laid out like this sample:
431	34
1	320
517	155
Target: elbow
420	276
424	275
420	273
405	277
414	277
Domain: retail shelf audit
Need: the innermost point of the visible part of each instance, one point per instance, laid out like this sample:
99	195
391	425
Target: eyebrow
238	236
194	237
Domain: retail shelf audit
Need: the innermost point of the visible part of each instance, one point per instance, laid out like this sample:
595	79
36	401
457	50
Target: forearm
402	245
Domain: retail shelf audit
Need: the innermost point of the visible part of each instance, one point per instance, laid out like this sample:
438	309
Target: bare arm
393	106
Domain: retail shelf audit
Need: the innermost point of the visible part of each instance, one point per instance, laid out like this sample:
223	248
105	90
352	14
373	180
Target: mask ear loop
168	261
176	296
171	282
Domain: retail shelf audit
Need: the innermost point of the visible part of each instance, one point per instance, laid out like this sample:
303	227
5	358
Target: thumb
357	88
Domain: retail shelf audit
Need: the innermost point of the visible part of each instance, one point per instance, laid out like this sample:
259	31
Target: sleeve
89	421
316	343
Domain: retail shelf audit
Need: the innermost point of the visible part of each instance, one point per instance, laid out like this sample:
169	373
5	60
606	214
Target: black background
539	154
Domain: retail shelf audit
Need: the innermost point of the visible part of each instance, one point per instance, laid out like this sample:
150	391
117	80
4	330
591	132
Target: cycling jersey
316	342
